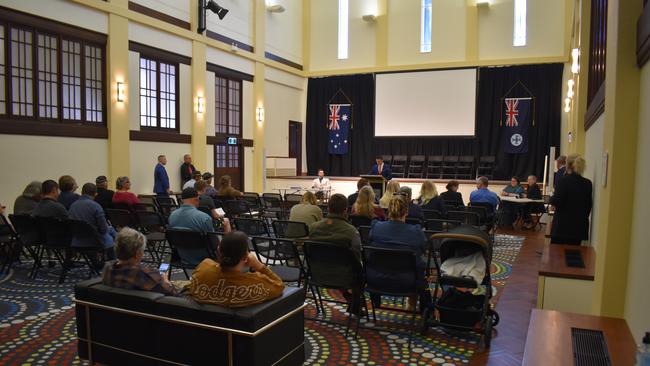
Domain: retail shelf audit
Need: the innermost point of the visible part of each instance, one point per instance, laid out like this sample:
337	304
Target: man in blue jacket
160	178
381	169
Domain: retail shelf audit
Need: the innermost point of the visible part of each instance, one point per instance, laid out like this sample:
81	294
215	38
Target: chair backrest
269	249
290	229
469	218
293	197
431	214
252	198
435	160
466	159
440	225
7	232
487	206
252	227
388	159
84	233
205	210
167	210
145	207
120	218
235	208
192	245
413	221
55	232
357	220
382	263
150	221
364	233
481	211
418	159
451	159
271	202
27	229
165	200
332	266
277	196
145	198
487	159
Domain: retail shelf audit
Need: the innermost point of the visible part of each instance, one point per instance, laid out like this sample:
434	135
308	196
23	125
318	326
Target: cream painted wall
545	30
229	60
247	113
144	157
282	103
248	169
133	94
324	33
283	35
564	118
175	8
237	24
158	39
638	296
63	11
447	32
27	158
594	155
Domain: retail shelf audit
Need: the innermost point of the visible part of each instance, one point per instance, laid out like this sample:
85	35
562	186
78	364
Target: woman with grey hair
27	202
123	196
128	272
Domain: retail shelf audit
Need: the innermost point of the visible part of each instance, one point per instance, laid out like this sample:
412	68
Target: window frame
241	105
11	20
426	47
157	59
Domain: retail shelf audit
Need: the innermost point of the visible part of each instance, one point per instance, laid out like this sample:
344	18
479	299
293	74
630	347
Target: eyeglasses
400	194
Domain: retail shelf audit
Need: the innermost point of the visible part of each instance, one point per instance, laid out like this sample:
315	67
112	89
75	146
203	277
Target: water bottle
643	353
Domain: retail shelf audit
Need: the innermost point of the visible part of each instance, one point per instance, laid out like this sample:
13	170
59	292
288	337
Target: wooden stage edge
409	180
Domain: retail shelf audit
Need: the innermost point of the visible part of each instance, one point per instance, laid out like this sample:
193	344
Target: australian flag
517	119
338	124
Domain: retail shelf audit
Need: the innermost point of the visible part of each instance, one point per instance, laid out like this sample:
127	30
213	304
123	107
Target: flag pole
545	171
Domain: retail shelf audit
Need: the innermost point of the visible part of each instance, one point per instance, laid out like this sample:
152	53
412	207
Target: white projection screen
426	103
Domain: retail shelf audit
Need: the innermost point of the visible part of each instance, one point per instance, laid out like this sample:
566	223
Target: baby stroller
452	308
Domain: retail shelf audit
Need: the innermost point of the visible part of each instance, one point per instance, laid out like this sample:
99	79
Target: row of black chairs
439	166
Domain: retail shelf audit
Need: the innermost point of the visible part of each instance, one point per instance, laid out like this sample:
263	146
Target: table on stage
519	200
300	190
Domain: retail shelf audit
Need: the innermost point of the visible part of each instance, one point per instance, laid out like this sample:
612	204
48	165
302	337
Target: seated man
206	200
335	228
68	186
227	284
196	176
128	272
188	217
322	185
483	194
534	193
360	184
209	190
104	195
87	210
49	205
414	210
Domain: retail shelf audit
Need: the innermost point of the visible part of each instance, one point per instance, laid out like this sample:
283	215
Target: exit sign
232	141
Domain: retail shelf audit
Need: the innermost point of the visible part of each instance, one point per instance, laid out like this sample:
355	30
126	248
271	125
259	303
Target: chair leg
313	293
37	262
413	322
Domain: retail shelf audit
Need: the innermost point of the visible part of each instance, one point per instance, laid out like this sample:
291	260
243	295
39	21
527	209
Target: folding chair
152	225
290	229
281	255
189	248
57	238
30	239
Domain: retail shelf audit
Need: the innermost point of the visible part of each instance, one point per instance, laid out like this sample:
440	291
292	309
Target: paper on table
221	212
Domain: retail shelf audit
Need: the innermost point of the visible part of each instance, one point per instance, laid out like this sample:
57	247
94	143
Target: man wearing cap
187	169
209	190
104	195
196	176
160	178
188	217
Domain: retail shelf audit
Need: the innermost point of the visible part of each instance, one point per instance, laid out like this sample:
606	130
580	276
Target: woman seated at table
365	205
391	188
429	198
534	193
513	189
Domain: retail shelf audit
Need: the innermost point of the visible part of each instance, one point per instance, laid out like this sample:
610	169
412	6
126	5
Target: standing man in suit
561	170
381	168
160	178
187	169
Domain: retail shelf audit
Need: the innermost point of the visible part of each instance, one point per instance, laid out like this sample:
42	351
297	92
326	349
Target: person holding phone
129	273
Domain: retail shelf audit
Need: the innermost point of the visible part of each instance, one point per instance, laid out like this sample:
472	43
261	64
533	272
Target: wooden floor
515	304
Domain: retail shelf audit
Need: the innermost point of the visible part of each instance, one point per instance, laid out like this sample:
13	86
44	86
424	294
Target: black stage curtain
544	82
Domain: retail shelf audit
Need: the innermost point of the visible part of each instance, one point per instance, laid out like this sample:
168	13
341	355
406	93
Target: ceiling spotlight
277	8
214	7
370	18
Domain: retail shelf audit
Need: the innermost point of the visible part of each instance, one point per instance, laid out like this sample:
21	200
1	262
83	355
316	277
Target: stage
348	185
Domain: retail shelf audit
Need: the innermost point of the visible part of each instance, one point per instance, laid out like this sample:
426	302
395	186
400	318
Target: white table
519	200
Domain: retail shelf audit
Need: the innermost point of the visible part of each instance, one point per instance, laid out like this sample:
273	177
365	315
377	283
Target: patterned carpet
37	325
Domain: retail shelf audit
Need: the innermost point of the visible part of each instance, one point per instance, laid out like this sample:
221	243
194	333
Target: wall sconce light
277	8
569	92
567	105
260	114
370	18
200	105
121	91
483	3
575	65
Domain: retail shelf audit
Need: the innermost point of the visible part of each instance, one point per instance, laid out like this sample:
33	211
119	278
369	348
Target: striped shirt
135	277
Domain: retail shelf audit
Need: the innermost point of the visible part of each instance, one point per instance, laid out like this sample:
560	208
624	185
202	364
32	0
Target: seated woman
307	210
397	234
452	195
27	202
513	189
226	284
534	193
128	272
365	205
429	199
391	188
226	190
123	197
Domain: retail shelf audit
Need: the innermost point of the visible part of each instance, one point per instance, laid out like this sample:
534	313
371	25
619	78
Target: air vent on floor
589	348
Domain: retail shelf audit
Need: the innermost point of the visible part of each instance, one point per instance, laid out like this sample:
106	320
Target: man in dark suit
187	169
381	168
160	178
104	195
561	170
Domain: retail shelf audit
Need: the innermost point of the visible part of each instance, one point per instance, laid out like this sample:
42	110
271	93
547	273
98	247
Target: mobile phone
164	267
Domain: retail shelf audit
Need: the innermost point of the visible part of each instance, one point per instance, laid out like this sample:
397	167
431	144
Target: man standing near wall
187	169
160	178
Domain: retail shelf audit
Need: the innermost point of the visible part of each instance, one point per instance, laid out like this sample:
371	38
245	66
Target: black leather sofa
130	327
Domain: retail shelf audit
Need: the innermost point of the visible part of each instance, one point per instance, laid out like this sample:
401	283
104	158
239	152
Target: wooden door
228	160
295	144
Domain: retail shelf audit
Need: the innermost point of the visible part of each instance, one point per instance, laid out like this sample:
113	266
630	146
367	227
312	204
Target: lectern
377	182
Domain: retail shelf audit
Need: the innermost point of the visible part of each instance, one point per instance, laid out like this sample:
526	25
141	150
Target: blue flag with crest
518	116
338	124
